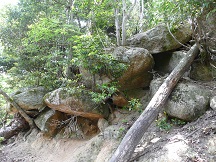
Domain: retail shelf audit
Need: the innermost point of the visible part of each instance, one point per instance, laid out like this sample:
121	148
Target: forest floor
193	142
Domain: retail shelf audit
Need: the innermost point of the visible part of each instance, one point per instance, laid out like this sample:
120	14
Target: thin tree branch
176	38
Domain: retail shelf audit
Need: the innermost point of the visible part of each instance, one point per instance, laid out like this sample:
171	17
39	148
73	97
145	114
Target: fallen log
17	125
136	132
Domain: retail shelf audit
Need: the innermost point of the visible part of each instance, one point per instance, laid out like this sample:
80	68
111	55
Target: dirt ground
193	142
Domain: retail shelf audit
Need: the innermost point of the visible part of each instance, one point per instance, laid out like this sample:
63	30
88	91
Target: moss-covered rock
188	101
202	72
29	99
140	63
70	103
159	39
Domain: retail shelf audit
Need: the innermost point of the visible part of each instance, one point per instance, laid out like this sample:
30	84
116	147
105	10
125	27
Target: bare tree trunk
141	15
124	21
118	38
20	110
136	132
69	13
125	17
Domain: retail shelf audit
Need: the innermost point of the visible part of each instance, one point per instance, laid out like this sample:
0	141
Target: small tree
121	37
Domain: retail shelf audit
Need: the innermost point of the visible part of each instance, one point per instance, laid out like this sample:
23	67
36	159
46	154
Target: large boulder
29	99
166	62
202	72
140	63
75	104
159	39
48	121
188	100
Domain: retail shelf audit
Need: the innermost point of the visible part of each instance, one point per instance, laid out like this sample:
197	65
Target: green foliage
73	86
163	124
42	39
103	92
177	122
173	11
2	114
124	121
98	96
98	13
134	104
6	63
46	33
1	139
4	79
122	131
90	54
46	50
15	22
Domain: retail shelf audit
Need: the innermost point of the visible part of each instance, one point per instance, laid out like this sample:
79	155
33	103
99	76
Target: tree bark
126	16
141	16
136	132
124	21
116	10
20	110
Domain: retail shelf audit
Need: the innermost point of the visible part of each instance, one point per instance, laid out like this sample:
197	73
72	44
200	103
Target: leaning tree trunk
20	110
136	132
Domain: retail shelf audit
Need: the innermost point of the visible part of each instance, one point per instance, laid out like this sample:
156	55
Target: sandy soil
194	142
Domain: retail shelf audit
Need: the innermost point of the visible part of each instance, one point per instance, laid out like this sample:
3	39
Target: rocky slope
193	142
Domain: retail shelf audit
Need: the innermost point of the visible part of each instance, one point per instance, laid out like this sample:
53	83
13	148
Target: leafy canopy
45	42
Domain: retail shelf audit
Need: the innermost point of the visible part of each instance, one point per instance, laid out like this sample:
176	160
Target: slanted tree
21	112
136	132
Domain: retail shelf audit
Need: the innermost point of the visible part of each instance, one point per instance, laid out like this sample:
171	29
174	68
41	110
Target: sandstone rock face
29	99
213	103
119	100
77	127
159	39
46	121
87	127
69	103
140	62
188	101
